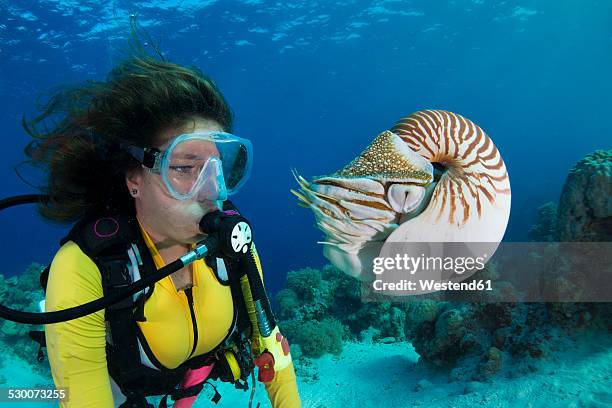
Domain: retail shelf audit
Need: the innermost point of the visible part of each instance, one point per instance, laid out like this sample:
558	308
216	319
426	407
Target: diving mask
207	165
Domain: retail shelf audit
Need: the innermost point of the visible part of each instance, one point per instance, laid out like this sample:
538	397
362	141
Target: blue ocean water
313	82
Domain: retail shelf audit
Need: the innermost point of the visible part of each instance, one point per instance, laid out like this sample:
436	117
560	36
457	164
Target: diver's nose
211	192
212	186
204	197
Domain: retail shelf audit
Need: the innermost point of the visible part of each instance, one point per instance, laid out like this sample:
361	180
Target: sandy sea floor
387	375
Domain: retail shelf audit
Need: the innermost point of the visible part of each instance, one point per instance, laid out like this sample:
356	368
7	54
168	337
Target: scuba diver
157	289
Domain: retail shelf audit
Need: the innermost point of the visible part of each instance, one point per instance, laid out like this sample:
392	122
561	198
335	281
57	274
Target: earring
134	192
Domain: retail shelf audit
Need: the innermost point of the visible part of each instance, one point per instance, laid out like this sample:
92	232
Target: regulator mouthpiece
233	232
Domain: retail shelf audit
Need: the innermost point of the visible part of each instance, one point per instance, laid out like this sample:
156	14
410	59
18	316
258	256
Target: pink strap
192	377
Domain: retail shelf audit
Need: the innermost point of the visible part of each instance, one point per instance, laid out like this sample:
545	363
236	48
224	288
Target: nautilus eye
434	177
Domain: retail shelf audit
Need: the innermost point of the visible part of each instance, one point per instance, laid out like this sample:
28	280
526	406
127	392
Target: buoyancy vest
117	247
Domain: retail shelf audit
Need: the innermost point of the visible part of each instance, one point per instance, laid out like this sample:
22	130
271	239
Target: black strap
123	352
44	278
39	337
181	393
191	391
136	401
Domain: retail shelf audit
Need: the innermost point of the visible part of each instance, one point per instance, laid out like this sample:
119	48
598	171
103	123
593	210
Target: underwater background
311	83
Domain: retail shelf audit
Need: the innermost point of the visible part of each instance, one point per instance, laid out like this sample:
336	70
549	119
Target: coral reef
319	296
545	230
314	337
307	295
472	341
23	293
443	339
585	207
478	340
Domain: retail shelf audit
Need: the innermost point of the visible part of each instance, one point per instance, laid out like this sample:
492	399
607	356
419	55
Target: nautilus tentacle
392	193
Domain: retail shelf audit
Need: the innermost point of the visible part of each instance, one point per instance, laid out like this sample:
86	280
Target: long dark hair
80	151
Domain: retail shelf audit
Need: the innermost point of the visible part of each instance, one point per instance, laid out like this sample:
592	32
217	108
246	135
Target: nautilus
433	177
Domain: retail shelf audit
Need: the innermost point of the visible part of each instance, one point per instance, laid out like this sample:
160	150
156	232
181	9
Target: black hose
22	199
222	224
257	288
94	305
90	307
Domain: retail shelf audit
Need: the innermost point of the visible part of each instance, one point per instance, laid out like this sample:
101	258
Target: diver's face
170	221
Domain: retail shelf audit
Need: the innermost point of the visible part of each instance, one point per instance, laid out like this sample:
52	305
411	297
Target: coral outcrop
585	207
545	230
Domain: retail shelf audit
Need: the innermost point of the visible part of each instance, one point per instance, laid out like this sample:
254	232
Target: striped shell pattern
434	177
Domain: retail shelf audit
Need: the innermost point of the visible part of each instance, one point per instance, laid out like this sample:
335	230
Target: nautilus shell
433	177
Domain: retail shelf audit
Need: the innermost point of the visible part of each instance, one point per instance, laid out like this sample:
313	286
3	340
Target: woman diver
136	162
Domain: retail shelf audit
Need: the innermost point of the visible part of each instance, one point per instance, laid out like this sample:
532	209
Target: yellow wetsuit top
76	348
